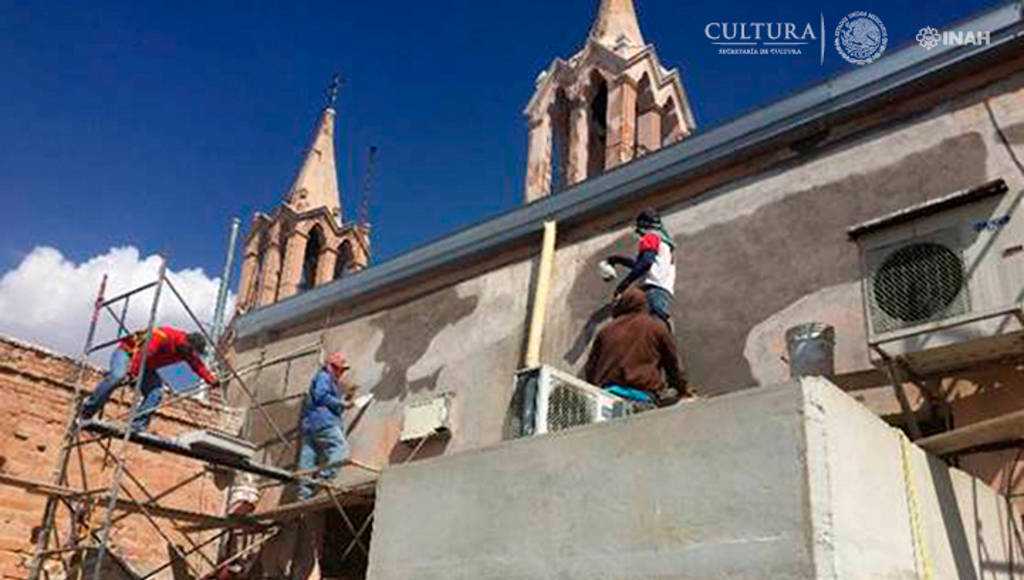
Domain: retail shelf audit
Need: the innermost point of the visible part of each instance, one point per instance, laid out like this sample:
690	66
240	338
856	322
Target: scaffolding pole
80	504
60	471
115	487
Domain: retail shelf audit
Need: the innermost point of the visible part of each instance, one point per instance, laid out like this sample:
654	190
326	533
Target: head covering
197	342
649	221
337	360
632	300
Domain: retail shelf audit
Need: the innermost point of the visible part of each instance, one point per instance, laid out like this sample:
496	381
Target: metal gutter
930	207
806	111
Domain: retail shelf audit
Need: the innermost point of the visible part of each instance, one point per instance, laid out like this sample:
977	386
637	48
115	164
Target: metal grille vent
918	283
568	407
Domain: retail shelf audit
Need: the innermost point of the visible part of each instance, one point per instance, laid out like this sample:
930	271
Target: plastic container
811	349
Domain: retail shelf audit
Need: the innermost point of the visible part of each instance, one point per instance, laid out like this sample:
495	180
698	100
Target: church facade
769	214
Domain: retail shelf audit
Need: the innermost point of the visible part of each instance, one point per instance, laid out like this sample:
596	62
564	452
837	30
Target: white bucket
242	499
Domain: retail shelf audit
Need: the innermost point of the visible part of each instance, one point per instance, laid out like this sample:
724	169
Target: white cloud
47	299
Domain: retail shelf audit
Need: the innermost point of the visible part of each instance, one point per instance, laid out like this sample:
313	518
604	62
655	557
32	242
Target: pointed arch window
647	137
598	134
559	112
311	258
346	257
670	129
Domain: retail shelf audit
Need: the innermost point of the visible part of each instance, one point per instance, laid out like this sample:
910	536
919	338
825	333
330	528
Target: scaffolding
86	550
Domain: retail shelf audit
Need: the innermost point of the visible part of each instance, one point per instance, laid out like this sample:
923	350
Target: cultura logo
929	37
861	38
758	38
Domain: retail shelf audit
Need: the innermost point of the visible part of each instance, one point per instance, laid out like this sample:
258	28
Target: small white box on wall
427	418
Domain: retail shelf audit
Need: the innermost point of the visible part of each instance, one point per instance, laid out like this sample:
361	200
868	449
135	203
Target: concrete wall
791	481
761	247
860	499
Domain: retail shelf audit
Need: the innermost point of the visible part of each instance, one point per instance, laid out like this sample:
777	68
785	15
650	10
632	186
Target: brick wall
36	389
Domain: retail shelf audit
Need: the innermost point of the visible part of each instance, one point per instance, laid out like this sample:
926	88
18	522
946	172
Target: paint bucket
811	348
242	499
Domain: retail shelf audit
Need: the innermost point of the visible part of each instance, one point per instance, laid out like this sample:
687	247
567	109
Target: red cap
337	360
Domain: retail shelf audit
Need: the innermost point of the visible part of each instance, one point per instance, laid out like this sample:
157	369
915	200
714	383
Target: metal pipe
70	430
241	554
106	344
122	328
115	486
369	518
129	293
154	501
225	282
187	553
227	366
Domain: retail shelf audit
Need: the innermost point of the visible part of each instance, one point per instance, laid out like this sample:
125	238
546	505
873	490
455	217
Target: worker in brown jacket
630	354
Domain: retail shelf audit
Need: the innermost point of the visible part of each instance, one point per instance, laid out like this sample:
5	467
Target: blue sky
153	123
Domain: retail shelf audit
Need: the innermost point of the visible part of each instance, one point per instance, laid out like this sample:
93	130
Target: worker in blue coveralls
323	430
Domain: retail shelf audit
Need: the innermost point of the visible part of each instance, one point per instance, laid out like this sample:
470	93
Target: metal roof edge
730	140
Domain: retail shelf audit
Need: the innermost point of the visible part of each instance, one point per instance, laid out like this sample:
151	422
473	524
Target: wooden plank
358	494
43	488
1003	428
154	443
359	464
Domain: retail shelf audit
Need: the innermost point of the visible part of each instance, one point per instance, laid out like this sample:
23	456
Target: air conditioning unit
943	281
546	400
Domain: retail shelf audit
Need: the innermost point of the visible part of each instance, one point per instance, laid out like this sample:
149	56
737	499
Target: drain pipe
540	295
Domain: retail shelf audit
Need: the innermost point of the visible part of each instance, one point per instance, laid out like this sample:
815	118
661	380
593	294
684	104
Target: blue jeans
327	446
659	301
151	391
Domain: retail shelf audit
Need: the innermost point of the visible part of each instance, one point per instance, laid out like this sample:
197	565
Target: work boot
667	397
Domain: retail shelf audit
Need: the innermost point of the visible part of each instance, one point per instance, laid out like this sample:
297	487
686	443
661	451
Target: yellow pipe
540	295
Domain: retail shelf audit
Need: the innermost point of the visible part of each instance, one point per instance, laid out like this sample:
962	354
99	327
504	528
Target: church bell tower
609	103
305	242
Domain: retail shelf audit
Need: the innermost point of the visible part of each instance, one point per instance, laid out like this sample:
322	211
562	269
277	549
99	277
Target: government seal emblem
861	38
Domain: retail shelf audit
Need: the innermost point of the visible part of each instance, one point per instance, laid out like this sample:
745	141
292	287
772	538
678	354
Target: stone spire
305	242
316	184
616	26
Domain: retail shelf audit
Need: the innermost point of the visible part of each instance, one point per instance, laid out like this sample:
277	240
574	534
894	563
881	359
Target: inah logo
929	37
861	38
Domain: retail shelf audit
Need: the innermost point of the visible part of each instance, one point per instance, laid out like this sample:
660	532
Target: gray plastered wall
754	256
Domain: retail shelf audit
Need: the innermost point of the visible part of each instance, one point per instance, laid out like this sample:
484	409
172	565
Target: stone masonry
305	242
609	103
